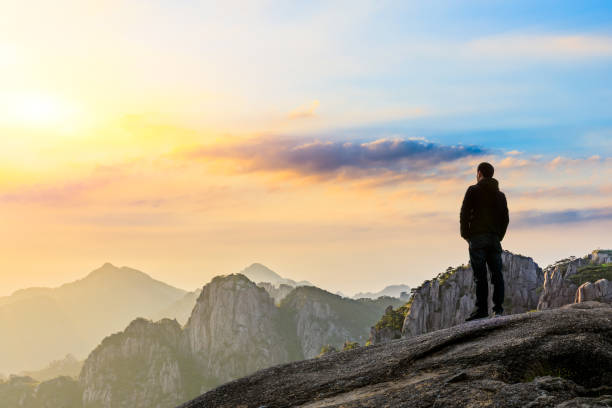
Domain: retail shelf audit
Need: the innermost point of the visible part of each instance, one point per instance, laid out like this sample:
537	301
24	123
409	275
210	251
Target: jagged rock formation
555	358
234	329
560	283
143	366
558	289
600	291
449	298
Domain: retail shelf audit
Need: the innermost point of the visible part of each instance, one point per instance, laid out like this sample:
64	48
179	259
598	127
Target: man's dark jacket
484	210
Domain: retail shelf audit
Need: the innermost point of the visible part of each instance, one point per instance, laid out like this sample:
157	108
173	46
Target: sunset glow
332	142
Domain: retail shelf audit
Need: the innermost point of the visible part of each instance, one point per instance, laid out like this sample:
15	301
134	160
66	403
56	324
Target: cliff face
142	366
320	318
555	358
449	298
233	329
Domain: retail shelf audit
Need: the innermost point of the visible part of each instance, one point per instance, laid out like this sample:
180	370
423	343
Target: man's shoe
498	313
477	315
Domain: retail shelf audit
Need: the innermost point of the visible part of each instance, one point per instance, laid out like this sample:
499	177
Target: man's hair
486	169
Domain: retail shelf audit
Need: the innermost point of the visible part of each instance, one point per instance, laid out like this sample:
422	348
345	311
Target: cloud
328	157
512	162
542	46
64	192
568	216
305	111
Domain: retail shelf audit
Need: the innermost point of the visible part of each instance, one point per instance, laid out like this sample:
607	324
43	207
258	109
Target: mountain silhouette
39	325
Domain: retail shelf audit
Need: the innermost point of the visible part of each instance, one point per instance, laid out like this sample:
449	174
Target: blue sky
325	139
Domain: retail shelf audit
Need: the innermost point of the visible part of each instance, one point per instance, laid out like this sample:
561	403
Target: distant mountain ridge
260	273
74	317
391	290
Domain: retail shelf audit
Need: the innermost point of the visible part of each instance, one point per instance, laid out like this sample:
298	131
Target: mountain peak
258	273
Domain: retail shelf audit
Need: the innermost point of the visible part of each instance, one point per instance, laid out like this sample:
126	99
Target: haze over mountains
260	273
239	326
391	290
76	316
39	325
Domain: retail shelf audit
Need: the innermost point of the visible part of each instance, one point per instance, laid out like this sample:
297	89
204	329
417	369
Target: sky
329	140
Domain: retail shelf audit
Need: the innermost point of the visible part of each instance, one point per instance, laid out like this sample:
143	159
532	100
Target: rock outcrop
234	330
143	366
560	283
450	297
554	358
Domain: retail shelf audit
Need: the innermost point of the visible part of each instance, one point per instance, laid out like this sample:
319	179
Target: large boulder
563	278
600	291
554	358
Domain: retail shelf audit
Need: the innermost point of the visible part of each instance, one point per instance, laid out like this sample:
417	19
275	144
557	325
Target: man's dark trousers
485	249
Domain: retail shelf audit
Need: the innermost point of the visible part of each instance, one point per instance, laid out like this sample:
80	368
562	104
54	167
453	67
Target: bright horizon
329	141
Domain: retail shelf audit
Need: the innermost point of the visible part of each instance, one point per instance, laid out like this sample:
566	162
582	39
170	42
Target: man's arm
505	217
465	214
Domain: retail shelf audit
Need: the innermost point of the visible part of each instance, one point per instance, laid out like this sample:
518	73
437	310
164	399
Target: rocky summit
553	358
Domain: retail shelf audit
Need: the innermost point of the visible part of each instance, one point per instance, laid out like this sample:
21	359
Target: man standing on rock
484	220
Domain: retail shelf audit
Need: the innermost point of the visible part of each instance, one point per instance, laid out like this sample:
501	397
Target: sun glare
36	110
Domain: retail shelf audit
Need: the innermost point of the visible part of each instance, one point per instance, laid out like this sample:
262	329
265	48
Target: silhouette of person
484	220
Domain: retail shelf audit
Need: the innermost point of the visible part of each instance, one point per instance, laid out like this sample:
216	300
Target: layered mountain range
237	327
73	318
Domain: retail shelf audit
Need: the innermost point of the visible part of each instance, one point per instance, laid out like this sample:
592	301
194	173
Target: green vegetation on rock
394	318
327	349
350	345
592	273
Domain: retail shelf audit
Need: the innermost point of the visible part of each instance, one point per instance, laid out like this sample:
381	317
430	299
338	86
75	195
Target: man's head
485	170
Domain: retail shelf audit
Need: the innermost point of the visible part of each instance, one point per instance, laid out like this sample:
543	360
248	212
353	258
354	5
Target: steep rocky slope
320	318
142	366
555	358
